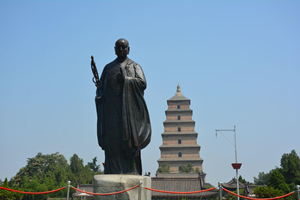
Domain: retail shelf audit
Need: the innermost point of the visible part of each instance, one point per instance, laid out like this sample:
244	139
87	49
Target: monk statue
123	124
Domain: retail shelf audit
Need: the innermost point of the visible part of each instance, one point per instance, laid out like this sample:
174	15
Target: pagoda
180	139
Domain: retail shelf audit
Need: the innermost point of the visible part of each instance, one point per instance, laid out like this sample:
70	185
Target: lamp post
235	165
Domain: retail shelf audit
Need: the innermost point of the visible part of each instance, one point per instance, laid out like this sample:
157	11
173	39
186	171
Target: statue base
109	183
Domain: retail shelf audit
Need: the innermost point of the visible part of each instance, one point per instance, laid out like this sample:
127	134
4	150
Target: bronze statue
123	125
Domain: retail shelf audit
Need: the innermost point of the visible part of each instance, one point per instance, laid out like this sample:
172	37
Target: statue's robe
123	125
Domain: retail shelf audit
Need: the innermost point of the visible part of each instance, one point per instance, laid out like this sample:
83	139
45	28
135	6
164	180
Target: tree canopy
164	168
241	180
186	169
50	172
7	195
263	178
93	165
281	180
290	167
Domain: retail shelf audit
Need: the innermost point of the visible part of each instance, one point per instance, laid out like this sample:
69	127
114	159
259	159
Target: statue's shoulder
131	62
111	64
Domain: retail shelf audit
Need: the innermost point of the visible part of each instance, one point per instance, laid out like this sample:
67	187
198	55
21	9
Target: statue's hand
98	84
98	95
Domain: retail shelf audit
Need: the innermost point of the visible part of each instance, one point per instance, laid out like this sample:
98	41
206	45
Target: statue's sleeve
136	121
139	74
99	108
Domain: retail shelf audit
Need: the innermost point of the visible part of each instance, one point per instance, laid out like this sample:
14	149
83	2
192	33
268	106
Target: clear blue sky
238	62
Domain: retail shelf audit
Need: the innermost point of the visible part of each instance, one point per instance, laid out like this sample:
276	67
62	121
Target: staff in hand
95	79
95	71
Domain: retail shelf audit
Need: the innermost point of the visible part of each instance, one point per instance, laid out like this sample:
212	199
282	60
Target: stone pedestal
115	182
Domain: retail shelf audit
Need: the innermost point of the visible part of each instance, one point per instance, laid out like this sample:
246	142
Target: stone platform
115	182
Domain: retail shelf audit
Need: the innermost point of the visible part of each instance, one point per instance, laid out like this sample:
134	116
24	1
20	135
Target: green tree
49	172
267	192
276	179
233	197
276	186
189	168
280	180
284	188
43	173
50	165
263	178
80	173
8	195
186	169
182	169
35	186
241	180
290	167
208	185
76	164
165	168
93	165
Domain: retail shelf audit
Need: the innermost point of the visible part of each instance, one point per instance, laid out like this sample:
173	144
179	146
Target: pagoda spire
178	88
178	91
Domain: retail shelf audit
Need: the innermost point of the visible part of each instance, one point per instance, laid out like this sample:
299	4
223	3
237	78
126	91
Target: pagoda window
178	106
178	117
179	141
179	154
179	129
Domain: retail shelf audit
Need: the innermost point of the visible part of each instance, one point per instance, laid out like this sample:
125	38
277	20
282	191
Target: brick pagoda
179	137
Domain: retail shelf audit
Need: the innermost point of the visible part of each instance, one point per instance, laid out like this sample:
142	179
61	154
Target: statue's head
122	48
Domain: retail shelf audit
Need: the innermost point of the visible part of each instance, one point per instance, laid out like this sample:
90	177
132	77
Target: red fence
171	192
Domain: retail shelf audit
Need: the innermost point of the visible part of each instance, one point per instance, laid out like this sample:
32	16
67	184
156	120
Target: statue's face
122	48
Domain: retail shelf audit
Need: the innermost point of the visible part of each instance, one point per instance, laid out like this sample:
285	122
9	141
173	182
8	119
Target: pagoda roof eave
179	110
179	121
179	159
180	146
179	133
178	98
